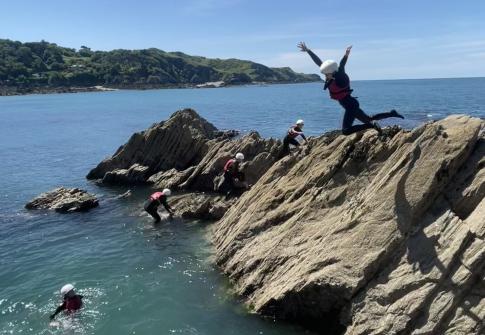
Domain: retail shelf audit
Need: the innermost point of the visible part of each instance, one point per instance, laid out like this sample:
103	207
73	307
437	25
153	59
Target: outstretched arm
58	310
341	67
304	48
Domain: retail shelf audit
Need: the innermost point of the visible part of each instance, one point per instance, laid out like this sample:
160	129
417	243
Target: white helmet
240	156
329	67
300	122
167	192
66	289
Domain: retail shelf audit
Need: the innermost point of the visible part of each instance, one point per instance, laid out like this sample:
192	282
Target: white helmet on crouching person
167	192
239	157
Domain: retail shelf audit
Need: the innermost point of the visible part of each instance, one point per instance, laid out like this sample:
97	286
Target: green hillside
44	64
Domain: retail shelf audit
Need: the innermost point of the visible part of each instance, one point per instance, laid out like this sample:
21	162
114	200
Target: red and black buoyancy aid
229	164
73	303
294	131
337	92
156	196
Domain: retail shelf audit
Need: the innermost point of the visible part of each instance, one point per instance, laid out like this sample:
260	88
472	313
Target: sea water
137	277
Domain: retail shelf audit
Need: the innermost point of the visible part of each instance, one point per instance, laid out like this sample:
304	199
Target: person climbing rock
155	200
291	137
72	301
233	179
338	84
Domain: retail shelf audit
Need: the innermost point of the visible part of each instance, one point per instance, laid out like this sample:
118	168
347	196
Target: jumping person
290	138
72	301
155	200
338	84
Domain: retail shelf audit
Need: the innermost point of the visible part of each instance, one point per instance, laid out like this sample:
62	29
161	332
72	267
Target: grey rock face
64	200
366	236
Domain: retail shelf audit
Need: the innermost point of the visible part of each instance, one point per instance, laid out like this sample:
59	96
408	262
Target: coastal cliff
367	237
350	235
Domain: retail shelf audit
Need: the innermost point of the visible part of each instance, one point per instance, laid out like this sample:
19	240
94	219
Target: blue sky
391	39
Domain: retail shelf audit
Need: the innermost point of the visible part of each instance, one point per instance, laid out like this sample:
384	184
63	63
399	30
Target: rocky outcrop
260	154
64	200
201	206
185	152
179	142
135	174
363	236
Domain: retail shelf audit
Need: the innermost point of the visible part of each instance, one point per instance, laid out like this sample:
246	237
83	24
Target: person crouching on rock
338	84
291	137
233	178
155	200
72	301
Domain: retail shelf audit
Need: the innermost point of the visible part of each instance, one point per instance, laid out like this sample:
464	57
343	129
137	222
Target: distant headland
43	67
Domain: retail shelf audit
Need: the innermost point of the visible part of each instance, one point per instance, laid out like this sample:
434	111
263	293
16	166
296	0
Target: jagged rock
259	154
201	206
361	236
64	200
185	152
170	178
136	174
179	142
225	134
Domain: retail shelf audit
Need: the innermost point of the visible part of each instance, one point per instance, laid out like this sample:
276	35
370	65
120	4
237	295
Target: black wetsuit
290	139
151	206
231	172
350	103
70	304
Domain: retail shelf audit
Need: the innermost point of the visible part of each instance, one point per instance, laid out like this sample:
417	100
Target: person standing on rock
72	301
233	178
338	84
291	137
155	200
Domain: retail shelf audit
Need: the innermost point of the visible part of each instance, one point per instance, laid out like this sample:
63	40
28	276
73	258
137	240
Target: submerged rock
365	236
64	200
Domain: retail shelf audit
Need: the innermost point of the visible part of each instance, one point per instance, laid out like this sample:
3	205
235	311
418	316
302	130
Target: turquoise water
138	278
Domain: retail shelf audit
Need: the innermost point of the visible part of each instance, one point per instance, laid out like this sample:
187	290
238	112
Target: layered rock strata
364	236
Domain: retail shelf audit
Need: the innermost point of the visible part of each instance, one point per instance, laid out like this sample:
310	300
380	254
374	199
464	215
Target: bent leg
286	146
347	121
381	116
357	128
362	116
349	117
152	210
154	213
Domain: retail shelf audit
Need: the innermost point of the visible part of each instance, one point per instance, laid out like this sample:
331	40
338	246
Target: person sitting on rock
291	137
155	200
338	84
233	178
72	301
